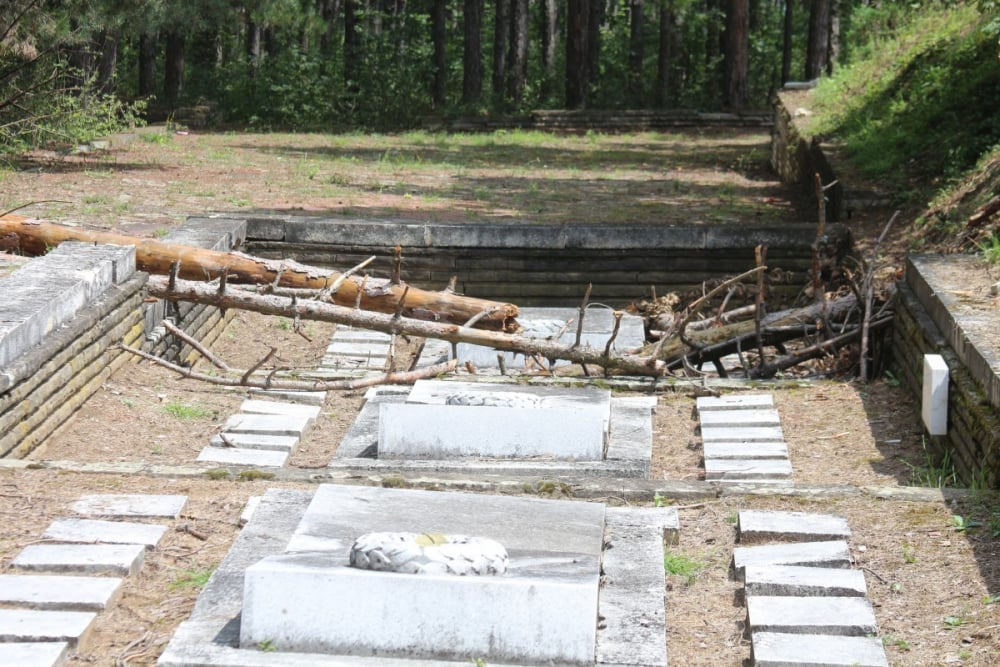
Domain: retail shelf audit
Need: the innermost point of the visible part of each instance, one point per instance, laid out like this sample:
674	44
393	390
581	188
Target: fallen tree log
374	294
185	290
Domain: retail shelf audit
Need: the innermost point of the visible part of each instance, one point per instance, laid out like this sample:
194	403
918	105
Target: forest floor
934	579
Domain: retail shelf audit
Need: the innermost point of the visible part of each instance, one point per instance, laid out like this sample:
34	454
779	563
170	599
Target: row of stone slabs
805	606
743	441
59	587
585	586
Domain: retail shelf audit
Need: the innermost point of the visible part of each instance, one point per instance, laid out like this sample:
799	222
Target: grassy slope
917	112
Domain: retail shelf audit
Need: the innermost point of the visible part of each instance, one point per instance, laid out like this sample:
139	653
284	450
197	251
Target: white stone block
747	469
31	625
276	443
791	526
265	458
745	450
34	654
735	402
259	407
773	649
53	591
741	434
739	418
518	619
848	616
934	409
267	425
107	532
832	553
138	504
118	559
804	581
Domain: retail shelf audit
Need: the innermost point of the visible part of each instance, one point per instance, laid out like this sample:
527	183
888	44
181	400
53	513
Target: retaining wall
546	265
64	313
926	323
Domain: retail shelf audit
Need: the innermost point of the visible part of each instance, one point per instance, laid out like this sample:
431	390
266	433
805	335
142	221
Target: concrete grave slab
741	434
747	469
107	532
253	502
236	456
759	526
832	553
59	592
803	581
210	638
739	418
277	443
116	559
746	450
628	452
258	407
846	616
125	505
33	625
34	654
303	397
267	425
772	649
734	402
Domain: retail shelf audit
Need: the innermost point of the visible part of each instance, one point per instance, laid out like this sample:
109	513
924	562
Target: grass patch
195	578
679	564
185	410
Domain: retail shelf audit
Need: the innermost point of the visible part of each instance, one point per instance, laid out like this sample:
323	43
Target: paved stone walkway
58	588
805	605
743	441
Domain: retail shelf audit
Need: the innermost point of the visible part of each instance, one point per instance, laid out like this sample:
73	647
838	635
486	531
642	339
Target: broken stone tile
258	407
267	425
59	592
759	526
236	456
34	654
803	581
277	443
33	625
108	532
746	450
772	649
814	554
751	469
301	397
741	434
138	504
739	418
117	559
735	402
846	616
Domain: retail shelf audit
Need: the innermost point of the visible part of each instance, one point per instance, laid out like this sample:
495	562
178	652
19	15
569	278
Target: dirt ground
934	579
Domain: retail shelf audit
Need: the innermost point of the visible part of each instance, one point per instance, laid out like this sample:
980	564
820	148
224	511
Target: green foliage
896	642
990	248
934	471
185	411
679	564
963	525
195	578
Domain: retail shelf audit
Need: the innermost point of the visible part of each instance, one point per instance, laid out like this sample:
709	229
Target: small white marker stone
935	395
107	532
138	504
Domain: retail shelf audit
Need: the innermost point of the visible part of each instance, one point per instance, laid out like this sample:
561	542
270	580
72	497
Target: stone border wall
973	439
543	264
61	348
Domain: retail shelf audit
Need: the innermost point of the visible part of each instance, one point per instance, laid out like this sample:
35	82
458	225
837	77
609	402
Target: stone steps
263	434
743	441
805	605
51	596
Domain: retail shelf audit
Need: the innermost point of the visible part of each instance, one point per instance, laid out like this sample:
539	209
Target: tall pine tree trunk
737	54
636	53
550	27
253	47
665	53
173	68
788	31
818	53
577	15
352	48
147	64
109	61
439	16
517	70
472	51
501	32
594	22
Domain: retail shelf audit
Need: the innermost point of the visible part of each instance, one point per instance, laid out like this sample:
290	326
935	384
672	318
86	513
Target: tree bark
577	16
818	54
501	31
439	14
109	61
550	27
517	70
636	53
472	52
666	53
147	64
173	75
379	295
737	54
183	290
594	23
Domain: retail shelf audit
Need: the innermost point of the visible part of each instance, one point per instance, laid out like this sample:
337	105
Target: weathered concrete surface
267	424
747	469
32	625
64	593
131	505
107	532
746	450
116	559
734	402
758	526
34	654
237	456
772	649
832	553
803	581
848	616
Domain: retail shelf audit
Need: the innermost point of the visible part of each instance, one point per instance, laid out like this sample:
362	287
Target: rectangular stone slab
741	434
413	431
137	504
117	559
34	654
758	526
65	593
237	456
277	443
267	425
107	532
745	450
253	406
803	581
301	397
814	554
772	649
739	418
554	549
735	402
32	625
846	616
749	469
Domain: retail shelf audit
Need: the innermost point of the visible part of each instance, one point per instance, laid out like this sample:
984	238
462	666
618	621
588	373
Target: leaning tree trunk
379	295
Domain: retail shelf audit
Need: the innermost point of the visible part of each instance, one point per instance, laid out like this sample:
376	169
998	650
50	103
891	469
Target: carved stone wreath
429	553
